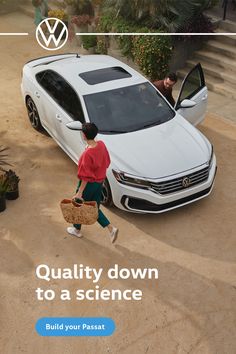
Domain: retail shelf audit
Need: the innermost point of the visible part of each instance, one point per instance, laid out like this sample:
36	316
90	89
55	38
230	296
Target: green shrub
101	45
152	54
104	25
89	41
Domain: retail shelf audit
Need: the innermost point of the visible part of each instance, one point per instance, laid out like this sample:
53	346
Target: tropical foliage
3	185
89	41
152	53
4	158
171	15
12	180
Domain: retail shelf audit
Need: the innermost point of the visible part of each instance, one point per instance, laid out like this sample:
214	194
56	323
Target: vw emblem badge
52	31
186	182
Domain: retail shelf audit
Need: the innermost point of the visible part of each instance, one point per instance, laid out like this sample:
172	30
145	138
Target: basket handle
75	203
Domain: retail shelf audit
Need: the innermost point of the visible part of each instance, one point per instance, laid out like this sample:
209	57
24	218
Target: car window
128	108
59	89
193	83
104	75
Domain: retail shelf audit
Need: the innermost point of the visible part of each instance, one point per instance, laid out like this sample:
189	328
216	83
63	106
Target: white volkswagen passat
160	161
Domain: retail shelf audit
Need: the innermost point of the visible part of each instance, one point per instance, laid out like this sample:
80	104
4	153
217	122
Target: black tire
106	194
33	114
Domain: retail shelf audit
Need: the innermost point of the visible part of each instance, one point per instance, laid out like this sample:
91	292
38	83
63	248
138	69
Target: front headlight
126	179
211	157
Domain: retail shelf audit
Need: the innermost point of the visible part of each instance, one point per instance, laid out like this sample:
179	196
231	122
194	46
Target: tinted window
194	82
62	93
103	75
128	108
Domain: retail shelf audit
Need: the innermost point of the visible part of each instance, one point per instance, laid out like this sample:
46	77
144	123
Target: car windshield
127	109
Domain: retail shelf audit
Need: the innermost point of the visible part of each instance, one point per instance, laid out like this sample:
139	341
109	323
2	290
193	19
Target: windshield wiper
151	124
113	131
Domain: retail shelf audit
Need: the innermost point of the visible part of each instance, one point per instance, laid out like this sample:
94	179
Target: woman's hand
78	195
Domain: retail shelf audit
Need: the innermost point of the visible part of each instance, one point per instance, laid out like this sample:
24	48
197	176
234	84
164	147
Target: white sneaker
73	231
114	234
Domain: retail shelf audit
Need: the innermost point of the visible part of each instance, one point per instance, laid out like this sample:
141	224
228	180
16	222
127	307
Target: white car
160	161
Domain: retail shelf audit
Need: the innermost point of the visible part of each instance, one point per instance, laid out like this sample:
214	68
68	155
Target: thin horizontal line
14	34
155	34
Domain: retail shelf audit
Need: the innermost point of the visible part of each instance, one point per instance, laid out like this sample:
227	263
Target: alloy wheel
33	114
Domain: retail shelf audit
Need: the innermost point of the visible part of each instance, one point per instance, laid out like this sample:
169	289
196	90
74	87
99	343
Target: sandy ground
190	309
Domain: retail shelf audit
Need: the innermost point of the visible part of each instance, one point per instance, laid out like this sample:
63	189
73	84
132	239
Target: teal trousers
93	191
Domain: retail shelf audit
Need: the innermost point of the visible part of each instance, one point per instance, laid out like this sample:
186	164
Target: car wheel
33	114
106	194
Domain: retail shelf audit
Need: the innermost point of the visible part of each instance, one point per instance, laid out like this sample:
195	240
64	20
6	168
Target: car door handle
204	98
37	94
58	117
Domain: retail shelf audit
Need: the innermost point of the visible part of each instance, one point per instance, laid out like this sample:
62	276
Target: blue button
75	326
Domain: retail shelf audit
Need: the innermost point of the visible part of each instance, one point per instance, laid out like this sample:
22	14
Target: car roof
71	67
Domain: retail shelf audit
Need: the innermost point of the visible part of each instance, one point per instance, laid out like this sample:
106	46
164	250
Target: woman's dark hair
90	130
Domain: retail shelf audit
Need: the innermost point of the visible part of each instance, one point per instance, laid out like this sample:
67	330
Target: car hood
160	151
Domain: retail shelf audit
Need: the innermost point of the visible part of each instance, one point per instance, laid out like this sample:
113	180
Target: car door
193	88
45	93
68	108
61	105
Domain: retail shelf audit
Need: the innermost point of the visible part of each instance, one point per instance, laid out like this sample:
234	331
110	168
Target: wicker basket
85	213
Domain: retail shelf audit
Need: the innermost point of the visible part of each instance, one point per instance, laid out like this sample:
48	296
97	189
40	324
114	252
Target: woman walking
92	168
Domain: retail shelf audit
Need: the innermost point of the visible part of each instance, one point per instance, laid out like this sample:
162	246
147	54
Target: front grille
176	184
144	205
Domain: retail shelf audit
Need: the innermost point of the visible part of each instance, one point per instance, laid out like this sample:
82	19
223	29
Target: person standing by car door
92	168
165	87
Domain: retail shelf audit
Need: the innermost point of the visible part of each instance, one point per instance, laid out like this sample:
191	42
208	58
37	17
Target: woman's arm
81	190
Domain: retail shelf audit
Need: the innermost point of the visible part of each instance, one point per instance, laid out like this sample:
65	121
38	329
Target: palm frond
4	158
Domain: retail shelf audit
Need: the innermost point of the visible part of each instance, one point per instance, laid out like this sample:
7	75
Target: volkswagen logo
52	31
186	182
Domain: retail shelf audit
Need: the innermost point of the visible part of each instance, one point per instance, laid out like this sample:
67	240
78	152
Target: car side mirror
187	103
75	125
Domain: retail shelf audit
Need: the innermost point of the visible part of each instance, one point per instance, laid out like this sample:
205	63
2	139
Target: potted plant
80	24
3	190
12	192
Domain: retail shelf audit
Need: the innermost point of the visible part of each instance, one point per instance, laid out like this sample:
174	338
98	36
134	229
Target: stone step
216	72
221	48
223	89
228	26
229	39
216	59
214	84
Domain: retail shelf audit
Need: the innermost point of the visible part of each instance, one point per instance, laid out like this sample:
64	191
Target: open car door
192	100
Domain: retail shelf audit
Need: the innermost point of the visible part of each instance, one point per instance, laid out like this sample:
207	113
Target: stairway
218	60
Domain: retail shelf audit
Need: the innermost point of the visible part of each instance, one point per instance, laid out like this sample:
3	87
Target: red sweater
93	163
